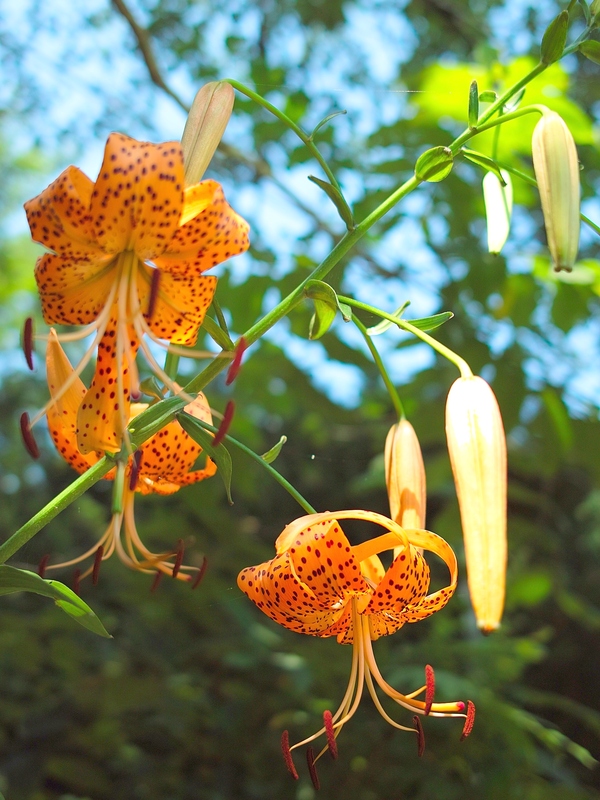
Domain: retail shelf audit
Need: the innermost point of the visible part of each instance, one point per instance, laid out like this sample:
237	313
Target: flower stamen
28	342
312	768
420	735
469	721
287	755
28	438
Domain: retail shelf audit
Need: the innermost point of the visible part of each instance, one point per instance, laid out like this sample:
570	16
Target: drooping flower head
319	584
128	254
162	466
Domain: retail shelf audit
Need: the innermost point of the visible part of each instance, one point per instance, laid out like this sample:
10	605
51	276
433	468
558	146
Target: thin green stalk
54	507
172	364
302	501
460	363
382	370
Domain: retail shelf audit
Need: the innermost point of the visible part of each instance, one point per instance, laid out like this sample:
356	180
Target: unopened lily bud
204	128
557	172
477	447
498	202
405	476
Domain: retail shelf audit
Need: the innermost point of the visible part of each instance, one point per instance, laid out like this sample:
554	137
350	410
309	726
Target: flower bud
477	448
405	476
498	202
557	172
204	128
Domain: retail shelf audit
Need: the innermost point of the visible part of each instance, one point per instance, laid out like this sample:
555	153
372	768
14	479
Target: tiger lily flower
128	254
319	584
162	466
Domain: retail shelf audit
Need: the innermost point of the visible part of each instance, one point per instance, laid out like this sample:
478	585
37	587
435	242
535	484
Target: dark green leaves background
189	698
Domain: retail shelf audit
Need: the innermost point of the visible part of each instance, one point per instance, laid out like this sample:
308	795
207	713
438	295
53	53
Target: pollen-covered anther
312	767
28	438
330	733
156	582
43	564
135	469
28	342
225	423
154	287
76	580
420	735
235	365
470	720
97	563
178	557
287	755
429	688
200	574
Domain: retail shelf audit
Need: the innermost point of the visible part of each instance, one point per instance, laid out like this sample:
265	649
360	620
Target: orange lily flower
319	584
162	466
128	257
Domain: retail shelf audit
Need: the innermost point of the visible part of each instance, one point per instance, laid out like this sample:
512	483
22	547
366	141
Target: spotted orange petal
137	200
62	416
73	293
181	303
104	412
436	601
405	583
59	217
210	232
276	590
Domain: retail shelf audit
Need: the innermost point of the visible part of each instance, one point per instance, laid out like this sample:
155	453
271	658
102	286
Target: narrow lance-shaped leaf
22	580
473	105
272	454
219	454
337	199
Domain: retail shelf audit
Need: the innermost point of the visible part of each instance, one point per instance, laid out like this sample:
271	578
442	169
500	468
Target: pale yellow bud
477	447
204	128
498	201
405	476
557	172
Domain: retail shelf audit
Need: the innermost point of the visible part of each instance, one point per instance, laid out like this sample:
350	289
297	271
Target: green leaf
385	324
272	454
153	419
515	100
485	162
326	120
151	387
22	580
326	307
488	96
591	50
219	454
431	323
434	164
346	312
473	105
554	39
336	197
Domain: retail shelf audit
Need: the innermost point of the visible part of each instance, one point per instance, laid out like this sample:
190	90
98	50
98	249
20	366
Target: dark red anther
76	580
28	342
136	463
330	732
200	574
153	294
312	767
28	439
429	688
156	582
420	735
97	563
236	363
225	423
287	755
470	720
43	564
178	557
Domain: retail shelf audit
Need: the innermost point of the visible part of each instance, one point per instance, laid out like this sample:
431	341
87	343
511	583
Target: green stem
54	507
302	501
460	363
302	135
382	370
172	365
532	182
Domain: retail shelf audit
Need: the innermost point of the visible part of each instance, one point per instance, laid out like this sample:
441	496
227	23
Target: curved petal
59	217
210	232
279	594
62	415
138	197
104	412
181	304
436	601
73	293
405	583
